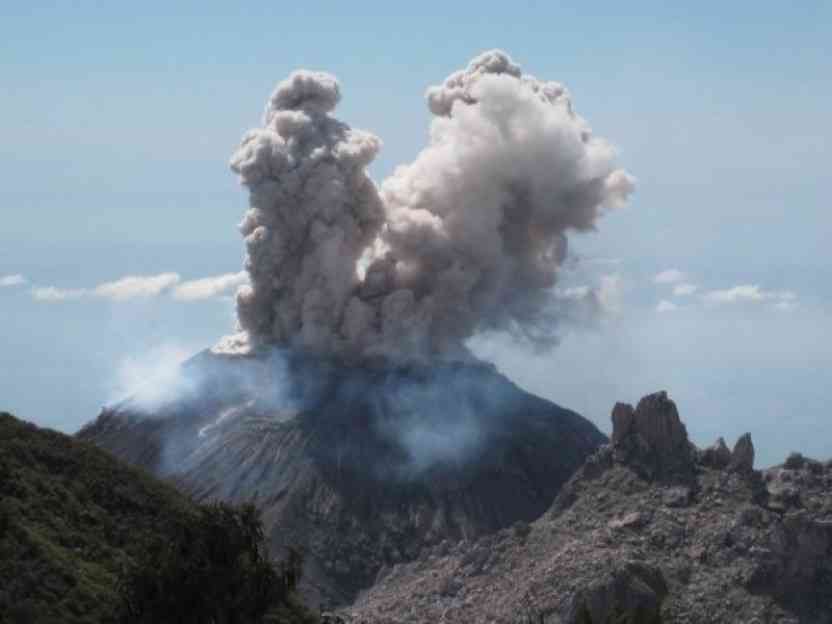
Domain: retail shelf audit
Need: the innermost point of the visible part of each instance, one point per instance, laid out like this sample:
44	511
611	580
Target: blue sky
118	120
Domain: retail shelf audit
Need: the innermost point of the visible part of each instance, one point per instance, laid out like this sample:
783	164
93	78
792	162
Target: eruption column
467	238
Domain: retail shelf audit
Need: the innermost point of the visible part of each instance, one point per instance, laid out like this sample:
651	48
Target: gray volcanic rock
631	593
362	465
742	457
708	543
718	455
652	437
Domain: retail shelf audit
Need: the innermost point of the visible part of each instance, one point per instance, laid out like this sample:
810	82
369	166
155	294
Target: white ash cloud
153	378
574	293
467	238
669	276
313	212
610	293
210	287
12	280
583	305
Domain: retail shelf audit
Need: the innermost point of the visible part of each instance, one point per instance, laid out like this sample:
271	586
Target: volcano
361	465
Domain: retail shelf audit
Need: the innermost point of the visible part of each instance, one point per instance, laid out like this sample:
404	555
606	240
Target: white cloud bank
749	293
669	276
146	287
136	286
209	287
123	289
51	294
11	280
684	289
666	306
740	294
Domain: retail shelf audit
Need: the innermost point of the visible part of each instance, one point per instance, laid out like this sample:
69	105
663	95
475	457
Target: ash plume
467	238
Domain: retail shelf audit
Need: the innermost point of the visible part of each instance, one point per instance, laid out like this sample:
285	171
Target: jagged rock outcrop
718	455
742	457
713	540
362	465
652	437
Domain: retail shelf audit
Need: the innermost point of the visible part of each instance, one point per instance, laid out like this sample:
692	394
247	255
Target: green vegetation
210	568
85	538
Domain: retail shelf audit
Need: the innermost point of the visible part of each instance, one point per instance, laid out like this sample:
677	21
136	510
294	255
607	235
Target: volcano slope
360	465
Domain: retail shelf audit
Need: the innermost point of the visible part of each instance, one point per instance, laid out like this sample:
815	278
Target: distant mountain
361	464
73	519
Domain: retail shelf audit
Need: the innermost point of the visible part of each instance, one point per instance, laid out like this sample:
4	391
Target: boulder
632	520
632	593
677	496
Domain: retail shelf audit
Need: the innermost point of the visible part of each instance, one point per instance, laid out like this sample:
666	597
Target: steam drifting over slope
467	238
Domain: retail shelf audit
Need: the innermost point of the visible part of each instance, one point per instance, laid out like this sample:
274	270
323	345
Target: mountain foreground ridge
76	523
651	530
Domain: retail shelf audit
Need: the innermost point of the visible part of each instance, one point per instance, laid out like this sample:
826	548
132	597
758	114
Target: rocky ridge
650	530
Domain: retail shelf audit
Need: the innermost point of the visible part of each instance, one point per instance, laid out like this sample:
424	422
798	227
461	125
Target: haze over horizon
715	279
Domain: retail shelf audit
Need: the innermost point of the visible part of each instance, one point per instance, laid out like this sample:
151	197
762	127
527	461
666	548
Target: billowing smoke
153	379
467	238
